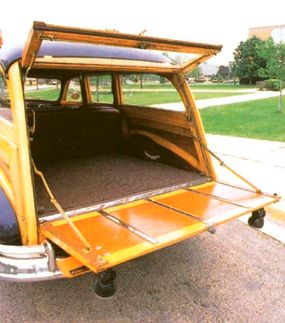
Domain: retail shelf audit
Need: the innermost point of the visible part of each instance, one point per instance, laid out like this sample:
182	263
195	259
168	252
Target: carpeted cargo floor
86	181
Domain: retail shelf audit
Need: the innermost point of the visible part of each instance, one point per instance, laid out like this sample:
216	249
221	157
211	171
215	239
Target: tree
223	73
196	73
247	61
274	54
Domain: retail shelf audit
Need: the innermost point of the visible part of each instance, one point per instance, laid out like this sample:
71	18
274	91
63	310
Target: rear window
42	89
4	98
3	88
74	94
150	90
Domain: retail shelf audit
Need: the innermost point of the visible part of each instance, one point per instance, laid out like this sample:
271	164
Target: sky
224	22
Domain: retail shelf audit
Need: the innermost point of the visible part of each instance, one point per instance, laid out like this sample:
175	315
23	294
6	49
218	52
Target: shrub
273	84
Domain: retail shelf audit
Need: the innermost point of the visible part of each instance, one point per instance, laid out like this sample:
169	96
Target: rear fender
9	227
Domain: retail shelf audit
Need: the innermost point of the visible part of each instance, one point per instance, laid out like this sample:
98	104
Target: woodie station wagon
96	167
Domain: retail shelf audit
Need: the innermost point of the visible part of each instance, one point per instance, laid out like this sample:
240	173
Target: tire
256	222
257	219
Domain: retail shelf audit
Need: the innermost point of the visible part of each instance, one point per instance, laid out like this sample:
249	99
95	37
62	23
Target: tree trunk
280	98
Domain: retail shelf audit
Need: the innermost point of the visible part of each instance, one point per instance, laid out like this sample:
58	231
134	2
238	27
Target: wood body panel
20	168
242	196
200	206
109	239
7	129
170	129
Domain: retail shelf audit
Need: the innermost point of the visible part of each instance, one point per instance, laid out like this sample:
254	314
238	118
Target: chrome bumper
28	263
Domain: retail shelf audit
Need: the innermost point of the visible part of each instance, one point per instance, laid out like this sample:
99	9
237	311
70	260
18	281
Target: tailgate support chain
128	227
204	147
87	246
223	164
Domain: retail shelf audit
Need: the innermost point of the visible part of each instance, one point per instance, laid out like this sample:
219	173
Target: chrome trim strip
22	252
50	256
28	263
124	200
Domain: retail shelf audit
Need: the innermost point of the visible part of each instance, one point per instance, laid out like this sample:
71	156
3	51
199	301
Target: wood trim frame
20	168
102	64
41	31
117	89
195	123
189	66
7	129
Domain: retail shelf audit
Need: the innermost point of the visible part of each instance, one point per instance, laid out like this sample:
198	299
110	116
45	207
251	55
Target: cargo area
87	160
95	179
126	194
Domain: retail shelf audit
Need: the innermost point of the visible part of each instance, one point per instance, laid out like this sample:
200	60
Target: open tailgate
127	231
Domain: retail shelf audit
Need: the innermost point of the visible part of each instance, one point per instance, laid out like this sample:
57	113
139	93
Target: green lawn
104	97
156	97
148	97
212	95
253	119
148	85
221	86
47	94
194	86
143	98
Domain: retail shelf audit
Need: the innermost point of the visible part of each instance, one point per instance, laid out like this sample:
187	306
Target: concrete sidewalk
251	95
260	161
257	95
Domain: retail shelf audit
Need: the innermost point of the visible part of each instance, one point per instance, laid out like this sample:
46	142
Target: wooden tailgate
124	232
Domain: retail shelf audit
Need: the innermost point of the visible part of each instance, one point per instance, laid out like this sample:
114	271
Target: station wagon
103	156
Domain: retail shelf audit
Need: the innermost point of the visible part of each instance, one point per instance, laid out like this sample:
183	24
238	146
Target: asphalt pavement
235	275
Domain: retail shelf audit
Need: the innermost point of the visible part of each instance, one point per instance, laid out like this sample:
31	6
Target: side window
42	89
101	88
150	90
5	112
74	91
4	100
